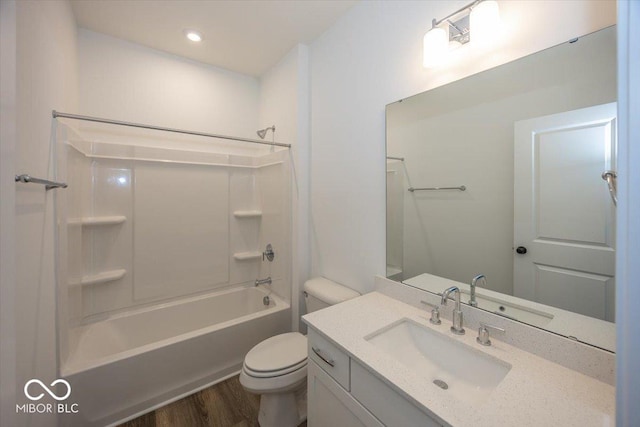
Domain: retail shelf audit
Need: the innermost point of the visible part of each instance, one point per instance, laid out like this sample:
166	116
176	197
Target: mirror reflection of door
564	219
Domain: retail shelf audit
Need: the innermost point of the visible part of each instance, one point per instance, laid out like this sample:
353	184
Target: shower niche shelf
91	221
247	214
247	256
103	277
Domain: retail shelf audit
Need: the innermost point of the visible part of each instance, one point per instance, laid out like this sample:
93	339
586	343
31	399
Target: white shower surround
159	244
181	229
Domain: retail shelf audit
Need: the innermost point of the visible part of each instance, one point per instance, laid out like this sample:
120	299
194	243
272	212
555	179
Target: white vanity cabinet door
330	405
384	402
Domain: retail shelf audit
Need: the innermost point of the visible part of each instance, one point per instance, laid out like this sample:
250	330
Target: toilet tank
320	293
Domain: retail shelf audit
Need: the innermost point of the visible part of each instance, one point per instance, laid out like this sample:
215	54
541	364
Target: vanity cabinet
328	404
341	392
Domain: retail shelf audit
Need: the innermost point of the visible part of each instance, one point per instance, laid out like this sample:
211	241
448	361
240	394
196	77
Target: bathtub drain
266	300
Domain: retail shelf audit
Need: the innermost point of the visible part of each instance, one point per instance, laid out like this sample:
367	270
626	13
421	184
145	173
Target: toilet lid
277	353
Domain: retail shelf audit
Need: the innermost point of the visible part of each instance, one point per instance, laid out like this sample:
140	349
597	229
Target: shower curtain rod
57	114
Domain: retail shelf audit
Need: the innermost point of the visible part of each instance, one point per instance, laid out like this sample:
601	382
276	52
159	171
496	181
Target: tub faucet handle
268	253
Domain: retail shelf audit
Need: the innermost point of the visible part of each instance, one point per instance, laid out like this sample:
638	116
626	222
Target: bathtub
129	364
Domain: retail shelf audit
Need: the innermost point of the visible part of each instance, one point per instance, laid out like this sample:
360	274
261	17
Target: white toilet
277	367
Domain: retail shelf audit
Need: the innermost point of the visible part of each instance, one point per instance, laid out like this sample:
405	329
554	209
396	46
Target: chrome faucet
457	313
474	282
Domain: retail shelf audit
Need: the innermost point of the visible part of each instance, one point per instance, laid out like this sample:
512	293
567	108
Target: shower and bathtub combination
162	238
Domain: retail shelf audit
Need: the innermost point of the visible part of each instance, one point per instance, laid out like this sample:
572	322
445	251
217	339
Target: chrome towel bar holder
460	188
49	185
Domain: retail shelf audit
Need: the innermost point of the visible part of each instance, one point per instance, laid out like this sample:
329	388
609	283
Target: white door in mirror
564	220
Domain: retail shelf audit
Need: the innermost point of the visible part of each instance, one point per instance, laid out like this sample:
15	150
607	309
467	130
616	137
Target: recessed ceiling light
194	36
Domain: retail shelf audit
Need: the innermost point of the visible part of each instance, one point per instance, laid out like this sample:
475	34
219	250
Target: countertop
535	392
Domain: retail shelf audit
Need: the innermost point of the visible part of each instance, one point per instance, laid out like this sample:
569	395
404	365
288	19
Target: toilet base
283	409
301	398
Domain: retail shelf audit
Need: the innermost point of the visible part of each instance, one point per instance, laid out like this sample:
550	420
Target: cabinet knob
521	250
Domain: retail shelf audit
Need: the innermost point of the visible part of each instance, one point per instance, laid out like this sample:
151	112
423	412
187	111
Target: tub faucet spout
266	281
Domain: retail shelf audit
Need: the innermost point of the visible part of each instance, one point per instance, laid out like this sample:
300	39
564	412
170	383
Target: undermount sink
513	311
455	368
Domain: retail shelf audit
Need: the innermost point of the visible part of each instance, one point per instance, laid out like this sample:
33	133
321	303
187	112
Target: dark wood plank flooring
225	404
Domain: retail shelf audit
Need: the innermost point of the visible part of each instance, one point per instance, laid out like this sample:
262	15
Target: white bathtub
131	363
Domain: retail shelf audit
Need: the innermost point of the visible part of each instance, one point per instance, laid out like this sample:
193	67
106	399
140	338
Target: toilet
276	368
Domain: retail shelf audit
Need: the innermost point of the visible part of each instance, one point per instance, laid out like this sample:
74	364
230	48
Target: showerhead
263	132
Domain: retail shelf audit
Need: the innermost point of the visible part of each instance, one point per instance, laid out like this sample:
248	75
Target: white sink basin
524	314
453	367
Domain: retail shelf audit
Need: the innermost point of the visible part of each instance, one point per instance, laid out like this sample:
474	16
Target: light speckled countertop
535	392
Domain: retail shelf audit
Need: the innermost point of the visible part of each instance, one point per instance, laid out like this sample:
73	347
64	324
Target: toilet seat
274	373
276	356
273	384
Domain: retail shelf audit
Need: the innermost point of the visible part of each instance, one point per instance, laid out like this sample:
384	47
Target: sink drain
441	384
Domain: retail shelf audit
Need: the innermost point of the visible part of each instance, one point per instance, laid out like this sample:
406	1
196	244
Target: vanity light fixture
454	30
192	35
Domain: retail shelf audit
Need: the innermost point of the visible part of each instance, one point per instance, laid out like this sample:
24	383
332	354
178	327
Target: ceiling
246	36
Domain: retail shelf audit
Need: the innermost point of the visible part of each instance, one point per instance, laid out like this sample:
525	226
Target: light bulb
435	47
485	22
454	44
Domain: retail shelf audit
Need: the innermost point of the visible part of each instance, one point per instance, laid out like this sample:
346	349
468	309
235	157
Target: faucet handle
435	313
483	333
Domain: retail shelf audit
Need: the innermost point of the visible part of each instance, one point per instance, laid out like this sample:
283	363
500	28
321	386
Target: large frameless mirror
508	177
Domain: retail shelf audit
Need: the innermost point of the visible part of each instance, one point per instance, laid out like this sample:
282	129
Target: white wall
8	134
125	81
373	56
47	79
284	102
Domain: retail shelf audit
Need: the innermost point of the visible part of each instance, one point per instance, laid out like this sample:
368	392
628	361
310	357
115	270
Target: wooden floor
226	404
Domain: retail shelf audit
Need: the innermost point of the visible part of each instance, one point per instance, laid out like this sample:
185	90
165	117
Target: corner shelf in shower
247	214
247	256
90	221
102	277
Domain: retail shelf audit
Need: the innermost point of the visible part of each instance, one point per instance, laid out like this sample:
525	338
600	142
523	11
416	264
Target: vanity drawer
331	359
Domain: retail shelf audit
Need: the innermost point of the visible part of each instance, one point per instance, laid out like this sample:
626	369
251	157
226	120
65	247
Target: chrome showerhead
263	132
